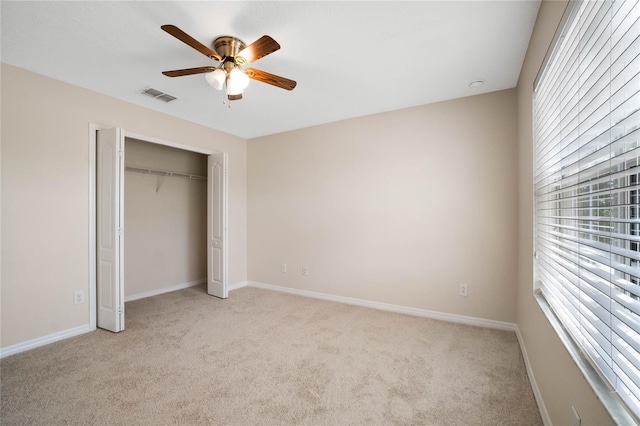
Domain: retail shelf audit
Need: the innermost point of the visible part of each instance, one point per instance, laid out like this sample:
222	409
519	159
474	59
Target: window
586	176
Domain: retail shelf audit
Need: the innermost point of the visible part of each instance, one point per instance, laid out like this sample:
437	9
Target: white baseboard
164	290
532	379
237	285
461	319
45	340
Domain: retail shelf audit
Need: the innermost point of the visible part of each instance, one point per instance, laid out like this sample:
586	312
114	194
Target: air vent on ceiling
157	94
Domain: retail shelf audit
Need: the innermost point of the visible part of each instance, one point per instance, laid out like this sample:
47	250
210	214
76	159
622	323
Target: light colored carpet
262	357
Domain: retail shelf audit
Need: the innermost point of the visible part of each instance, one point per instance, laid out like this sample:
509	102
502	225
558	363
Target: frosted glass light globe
238	79
216	78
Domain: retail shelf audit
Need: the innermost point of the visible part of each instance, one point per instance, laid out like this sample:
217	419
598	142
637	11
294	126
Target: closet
165	218
160	221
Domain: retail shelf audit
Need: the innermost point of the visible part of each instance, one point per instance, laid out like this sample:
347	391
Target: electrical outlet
283	268
78	297
305	270
462	290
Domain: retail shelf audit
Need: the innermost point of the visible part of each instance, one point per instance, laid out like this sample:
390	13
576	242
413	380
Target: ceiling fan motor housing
228	47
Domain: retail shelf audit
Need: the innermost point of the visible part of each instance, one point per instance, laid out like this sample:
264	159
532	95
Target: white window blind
587	176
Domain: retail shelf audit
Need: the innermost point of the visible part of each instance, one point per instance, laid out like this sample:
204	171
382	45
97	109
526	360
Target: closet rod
164	173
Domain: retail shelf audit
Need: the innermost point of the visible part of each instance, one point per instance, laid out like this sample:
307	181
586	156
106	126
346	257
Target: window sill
616	408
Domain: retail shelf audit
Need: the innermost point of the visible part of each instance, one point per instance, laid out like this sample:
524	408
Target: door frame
93	128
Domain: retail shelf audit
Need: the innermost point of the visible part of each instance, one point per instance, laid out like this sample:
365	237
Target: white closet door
217	226
109	229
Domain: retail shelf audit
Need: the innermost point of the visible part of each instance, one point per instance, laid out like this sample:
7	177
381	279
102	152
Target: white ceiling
350	58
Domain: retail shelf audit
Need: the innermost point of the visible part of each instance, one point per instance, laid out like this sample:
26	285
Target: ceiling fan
232	54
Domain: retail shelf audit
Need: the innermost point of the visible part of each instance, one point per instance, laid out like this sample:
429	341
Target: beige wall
165	241
399	207
560	382
45	216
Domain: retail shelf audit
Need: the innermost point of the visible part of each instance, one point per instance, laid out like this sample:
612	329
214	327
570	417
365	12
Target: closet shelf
164	173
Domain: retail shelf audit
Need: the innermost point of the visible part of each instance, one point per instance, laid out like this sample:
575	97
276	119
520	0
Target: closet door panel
217	226
109	235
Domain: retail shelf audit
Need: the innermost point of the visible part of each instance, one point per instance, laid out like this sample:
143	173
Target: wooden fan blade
187	39
274	80
256	50
188	71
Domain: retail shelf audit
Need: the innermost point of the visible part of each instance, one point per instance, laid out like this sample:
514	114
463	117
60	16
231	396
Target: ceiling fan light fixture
231	91
238	79
216	78
234	92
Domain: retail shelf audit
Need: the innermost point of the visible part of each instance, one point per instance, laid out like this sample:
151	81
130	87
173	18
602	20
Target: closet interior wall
165	219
